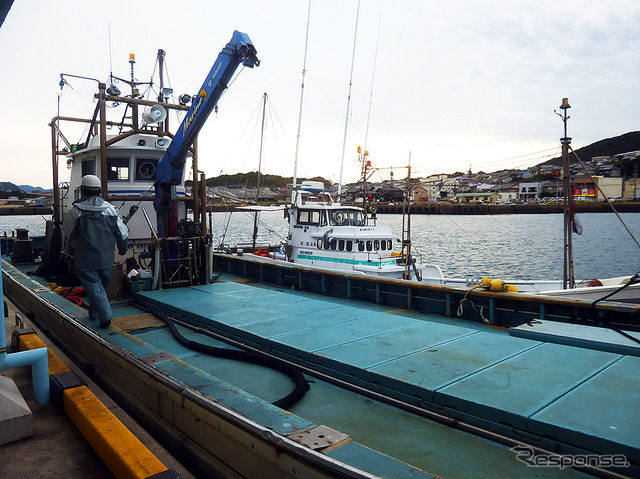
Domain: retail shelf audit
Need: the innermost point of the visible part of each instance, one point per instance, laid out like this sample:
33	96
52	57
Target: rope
633	280
605	197
465	300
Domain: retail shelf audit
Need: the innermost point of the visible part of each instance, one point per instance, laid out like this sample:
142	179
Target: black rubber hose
301	384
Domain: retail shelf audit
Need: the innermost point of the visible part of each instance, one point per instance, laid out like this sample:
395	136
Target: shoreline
480	209
419	209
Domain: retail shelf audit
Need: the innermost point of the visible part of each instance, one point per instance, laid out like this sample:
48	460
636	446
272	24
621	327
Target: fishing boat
327	235
323	234
249	367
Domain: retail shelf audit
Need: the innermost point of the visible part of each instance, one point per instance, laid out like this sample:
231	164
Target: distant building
529	191
476	197
420	195
584	188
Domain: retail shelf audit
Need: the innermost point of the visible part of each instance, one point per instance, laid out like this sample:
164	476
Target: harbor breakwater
424	209
487	209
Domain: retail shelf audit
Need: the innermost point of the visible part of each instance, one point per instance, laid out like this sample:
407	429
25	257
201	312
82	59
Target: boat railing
248	247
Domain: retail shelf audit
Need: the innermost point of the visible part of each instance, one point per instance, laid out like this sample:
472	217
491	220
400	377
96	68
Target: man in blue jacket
92	230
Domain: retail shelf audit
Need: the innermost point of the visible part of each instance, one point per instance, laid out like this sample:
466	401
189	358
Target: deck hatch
318	437
152	359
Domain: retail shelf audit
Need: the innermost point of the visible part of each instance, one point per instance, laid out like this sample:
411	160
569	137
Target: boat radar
312	186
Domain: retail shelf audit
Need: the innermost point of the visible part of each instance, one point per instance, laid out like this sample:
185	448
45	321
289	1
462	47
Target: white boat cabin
131	173
329	235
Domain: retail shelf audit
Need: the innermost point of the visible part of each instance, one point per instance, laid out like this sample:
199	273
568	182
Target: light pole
568	278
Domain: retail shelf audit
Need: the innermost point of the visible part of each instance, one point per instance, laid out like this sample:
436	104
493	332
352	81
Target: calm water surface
508	246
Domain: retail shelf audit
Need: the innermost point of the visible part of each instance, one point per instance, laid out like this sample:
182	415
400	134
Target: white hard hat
90	181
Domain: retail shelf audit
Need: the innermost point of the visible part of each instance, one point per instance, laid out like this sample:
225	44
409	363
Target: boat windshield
346	217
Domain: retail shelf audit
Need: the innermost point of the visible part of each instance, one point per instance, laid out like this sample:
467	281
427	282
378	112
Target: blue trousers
96	283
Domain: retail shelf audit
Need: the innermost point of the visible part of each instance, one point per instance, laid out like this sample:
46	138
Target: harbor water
507	246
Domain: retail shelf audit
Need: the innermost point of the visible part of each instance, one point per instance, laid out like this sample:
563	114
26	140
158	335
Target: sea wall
483	209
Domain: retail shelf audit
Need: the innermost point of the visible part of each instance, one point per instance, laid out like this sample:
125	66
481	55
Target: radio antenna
110	58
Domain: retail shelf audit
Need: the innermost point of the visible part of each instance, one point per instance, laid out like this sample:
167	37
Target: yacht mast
264	109
255	215
304	71
346	120
373	76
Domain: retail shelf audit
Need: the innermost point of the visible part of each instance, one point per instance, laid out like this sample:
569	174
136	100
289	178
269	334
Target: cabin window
346	217
333	244
118	169
319	244
327	244
369	245
357	217
360	245
376	245
146	169
309	217
383	245
323	218
89	166
349	245
389	245
341	245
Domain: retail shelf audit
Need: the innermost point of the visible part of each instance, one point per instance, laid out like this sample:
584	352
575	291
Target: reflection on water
508	246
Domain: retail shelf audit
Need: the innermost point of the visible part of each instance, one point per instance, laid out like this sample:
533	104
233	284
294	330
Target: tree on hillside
250	180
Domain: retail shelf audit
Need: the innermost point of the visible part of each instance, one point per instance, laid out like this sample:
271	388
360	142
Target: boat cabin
334	236
131	174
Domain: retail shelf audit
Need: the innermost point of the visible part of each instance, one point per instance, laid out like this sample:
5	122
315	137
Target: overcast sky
456	83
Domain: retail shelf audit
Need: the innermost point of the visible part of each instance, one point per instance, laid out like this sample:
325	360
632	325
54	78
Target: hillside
607	147
8	186
33	189
249	179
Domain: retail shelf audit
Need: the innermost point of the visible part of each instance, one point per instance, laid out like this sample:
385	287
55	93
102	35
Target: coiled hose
301	384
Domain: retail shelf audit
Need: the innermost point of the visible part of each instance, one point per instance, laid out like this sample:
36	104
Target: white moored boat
329	235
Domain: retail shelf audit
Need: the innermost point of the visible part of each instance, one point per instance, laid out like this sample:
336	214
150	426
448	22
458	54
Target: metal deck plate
157	358
318	437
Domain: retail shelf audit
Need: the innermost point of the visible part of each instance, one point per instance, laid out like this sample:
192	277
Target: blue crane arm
170	169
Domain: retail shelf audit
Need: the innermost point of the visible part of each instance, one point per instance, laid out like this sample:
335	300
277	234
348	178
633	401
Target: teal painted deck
578	399
569	397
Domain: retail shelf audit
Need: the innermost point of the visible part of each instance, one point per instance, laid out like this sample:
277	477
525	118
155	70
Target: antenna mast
304	71
346	121
568	280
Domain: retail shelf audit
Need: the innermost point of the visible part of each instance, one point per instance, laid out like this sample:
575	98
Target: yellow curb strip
121	451
32	341
119	448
